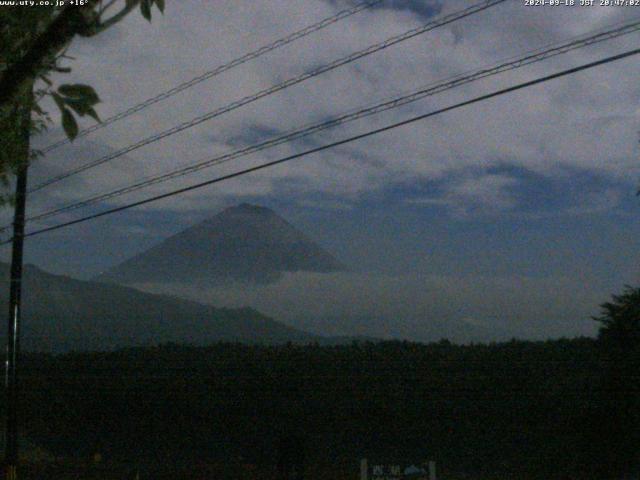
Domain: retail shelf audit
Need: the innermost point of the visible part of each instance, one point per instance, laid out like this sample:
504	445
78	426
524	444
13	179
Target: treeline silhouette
552	409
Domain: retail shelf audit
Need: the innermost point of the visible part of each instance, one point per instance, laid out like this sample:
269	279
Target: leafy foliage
620	319
79	98
20	31
619	405
145	7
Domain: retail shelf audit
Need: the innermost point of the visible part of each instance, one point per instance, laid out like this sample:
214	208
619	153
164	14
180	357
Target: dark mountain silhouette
61	314
246	243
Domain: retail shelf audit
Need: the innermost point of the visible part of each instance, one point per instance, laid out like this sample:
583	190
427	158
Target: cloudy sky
537	185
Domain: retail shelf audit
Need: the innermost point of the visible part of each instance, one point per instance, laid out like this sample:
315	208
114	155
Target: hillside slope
61	314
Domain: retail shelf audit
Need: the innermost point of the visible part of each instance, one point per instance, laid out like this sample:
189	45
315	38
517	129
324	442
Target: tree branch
116	18
104	8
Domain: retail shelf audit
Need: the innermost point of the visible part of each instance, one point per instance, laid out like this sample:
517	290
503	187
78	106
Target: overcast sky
539	184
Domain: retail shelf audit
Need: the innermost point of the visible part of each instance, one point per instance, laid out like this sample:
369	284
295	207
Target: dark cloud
422	8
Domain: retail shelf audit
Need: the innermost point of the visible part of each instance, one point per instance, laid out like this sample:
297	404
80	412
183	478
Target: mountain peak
245	243
248	208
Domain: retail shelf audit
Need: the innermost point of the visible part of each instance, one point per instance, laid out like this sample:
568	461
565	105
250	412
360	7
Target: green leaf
160	5
59	100
92	113
145	9
69	124
82	108
78	106
78	90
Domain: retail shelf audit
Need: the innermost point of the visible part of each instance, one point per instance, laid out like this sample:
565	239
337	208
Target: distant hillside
61	314
246	244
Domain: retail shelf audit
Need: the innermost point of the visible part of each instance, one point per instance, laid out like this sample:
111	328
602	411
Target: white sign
380	471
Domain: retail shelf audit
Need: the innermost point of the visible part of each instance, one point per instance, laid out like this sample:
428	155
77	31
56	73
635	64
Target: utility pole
23	110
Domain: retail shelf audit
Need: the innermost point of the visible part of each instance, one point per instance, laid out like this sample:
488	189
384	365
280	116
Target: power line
276	88
338	143
456	81
220	69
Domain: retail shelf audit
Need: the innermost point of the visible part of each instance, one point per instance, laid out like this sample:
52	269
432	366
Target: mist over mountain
245	244
422	308
61	314
248	256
